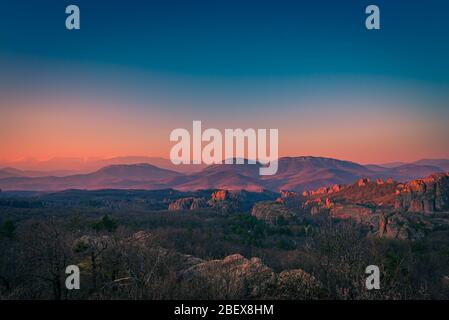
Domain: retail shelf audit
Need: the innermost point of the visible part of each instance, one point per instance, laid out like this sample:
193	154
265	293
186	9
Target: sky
136	70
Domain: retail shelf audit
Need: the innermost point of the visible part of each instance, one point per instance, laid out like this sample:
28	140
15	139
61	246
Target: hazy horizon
74	163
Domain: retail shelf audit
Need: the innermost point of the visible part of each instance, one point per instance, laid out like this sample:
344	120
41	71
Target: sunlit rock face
426	195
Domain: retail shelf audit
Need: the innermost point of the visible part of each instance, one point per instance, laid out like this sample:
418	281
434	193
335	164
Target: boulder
234	277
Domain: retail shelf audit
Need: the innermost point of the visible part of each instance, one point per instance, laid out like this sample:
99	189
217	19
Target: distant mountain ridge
71	166
440	163
136	176
294	173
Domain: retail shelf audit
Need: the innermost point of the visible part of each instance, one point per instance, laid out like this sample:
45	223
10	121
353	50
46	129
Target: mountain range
294	173
61	166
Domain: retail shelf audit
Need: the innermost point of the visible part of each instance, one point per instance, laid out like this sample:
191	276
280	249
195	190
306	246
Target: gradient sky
138	69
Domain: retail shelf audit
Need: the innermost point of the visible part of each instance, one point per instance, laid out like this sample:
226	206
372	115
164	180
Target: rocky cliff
426	195
391	209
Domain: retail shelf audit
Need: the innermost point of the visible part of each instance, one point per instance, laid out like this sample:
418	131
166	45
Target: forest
136	250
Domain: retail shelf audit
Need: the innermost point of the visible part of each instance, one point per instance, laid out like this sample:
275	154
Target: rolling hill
294	173
138	176
71	166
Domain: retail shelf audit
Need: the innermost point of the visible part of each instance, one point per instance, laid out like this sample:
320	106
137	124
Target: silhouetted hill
440	163
9	173
302	173
139	176
225	176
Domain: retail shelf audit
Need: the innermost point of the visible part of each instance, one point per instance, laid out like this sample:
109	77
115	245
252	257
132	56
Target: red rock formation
323	190
328	203
280	200
363	182
337	187
289	194
220	195
426	195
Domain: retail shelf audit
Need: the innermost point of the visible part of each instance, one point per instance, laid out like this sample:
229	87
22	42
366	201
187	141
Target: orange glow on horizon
94	130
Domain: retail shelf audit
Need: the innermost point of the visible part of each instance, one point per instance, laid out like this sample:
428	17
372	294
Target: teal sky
283	64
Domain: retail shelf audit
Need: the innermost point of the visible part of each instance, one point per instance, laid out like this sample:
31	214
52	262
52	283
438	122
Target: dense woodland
135	250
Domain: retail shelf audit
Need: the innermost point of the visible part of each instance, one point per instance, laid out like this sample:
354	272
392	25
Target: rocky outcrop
426	195
391	210
189	203
222	200
220	195
289	194
198	203
293	200
323	190
358	201
236	277
232	277
351	211
272	212
363	182
318	205
337	210
408	226
393	227
238	200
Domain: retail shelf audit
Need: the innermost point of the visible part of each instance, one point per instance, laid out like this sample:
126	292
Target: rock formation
363	182
189	203
426	195
272	212
235	277
384	205
232	277
220	195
